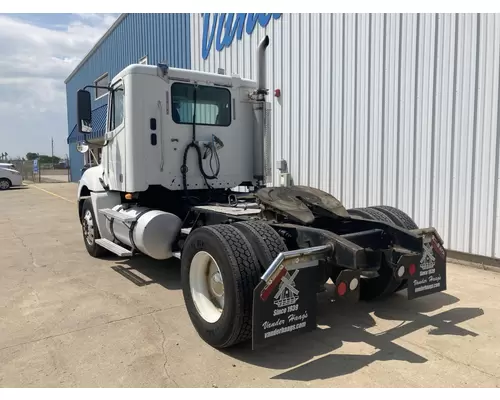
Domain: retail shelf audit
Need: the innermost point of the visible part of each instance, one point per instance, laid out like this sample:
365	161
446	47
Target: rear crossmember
422	263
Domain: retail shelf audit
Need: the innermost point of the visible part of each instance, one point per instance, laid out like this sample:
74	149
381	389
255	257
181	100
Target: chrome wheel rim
88	227
207	286
4	185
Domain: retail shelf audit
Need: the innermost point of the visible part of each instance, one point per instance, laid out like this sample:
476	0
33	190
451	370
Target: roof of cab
186	74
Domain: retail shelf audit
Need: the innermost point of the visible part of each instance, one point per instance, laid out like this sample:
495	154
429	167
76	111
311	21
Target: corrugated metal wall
160	37
396	109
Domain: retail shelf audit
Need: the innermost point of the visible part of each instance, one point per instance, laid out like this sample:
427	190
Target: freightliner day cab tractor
177	145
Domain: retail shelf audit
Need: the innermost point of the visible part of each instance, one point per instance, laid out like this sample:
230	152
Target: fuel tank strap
111	222
132	226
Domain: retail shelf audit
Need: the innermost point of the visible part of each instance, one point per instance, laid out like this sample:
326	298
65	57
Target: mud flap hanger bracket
293	260
297	259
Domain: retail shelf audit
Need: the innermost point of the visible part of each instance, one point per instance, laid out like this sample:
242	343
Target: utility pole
52	142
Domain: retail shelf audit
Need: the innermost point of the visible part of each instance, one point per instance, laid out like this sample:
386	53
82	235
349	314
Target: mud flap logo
430	276
287	294
292	309
428	261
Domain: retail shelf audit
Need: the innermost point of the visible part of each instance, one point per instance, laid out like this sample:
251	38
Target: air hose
184	168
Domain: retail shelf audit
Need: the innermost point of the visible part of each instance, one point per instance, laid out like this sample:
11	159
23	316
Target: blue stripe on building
160	37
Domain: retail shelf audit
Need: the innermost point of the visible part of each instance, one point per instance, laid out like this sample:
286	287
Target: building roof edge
96	46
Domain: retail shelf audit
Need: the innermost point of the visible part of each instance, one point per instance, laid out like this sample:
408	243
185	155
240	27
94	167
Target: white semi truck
177	144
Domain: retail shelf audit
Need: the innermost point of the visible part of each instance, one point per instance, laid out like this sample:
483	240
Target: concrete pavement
68	320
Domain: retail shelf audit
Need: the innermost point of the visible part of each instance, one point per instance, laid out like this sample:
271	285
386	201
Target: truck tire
265	241
90	230
378	215
371	213
219	272
399	217
402	220
359	212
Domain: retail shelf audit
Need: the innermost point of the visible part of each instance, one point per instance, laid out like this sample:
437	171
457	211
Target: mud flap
427	272
284	306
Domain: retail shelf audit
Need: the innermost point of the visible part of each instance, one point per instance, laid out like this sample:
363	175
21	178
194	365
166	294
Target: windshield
213	105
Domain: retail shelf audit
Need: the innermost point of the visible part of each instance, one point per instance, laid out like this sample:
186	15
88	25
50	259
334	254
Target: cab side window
116	108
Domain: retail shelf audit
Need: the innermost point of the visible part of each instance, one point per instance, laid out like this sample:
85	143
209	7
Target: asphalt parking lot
69	320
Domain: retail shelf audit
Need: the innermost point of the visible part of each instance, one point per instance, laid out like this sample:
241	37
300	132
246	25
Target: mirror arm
108	88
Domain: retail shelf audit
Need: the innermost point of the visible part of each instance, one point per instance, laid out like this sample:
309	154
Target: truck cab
150	124
174	138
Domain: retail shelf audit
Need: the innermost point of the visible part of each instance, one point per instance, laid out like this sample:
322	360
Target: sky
37	53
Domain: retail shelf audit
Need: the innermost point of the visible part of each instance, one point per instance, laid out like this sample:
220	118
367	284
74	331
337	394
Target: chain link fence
47	173
54	173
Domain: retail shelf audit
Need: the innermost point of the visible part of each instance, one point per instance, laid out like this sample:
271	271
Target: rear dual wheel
402	220
265	241
385	214
385	284
220	267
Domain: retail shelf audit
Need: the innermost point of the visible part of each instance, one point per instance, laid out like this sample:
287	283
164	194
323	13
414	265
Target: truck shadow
143	271
340	324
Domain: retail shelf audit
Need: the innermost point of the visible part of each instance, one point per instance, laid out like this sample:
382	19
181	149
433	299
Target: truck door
115	166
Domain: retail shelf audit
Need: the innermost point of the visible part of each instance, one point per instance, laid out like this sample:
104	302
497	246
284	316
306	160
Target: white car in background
9	176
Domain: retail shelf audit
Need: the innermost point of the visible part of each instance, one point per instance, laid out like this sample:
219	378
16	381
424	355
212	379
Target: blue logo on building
228	26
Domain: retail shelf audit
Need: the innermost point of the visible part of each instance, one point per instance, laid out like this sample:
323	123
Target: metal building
395	109
133	38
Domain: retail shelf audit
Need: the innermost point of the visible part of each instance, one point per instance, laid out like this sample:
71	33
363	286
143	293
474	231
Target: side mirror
84	111
82	147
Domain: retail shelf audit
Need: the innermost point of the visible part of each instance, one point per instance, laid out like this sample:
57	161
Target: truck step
117	215
114	248
177	254
186	231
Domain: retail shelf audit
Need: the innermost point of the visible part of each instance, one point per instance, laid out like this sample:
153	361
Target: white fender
90	179
99	196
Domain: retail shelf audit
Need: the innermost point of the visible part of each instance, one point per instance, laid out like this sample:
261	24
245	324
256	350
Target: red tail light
341	288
